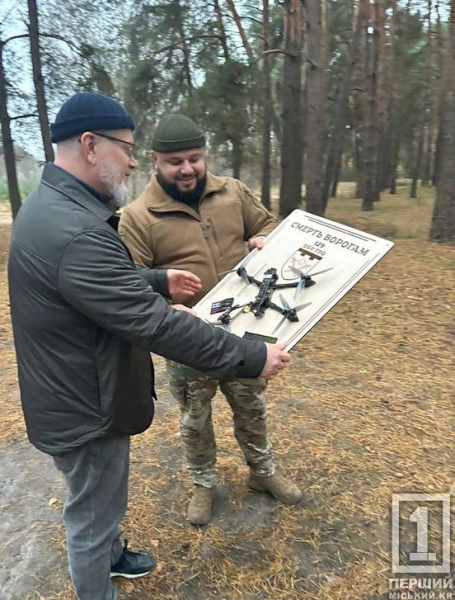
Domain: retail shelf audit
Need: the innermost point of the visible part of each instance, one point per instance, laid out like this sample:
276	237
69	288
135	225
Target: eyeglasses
128	147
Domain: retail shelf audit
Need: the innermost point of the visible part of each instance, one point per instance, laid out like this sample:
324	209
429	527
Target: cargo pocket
63	462
179	391
258	384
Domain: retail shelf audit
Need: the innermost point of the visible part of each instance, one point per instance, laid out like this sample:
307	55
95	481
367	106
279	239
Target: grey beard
118	191
120	196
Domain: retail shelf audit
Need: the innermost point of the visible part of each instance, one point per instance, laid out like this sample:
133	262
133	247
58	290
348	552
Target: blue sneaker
133	564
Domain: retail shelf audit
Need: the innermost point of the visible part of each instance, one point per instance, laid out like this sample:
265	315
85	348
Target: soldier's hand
182	283
183	308
277	359
256	242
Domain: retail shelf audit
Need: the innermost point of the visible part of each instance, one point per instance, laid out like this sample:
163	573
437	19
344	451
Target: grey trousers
96	476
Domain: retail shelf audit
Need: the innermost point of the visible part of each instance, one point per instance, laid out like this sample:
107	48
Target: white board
310	244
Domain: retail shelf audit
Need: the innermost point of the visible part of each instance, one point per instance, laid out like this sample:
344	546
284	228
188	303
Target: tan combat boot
281	489
200	506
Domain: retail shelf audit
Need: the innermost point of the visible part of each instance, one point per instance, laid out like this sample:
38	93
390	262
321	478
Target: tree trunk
8	145
394	140
370	150
266	170
333	191
427	155
276	121
185	48
394	165
389	87
267	108
425	109
315	85
417	163
336	140
219	19
440	98
393	77
241	31
381	97
292	145
360	110
359	161
237	158
443	222
438	151
38	80
432	98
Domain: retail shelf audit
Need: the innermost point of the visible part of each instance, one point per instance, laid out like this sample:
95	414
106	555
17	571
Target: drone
263	300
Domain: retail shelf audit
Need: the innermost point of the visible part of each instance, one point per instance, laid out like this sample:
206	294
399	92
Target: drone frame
263	299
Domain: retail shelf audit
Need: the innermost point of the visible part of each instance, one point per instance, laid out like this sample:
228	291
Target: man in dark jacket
85	320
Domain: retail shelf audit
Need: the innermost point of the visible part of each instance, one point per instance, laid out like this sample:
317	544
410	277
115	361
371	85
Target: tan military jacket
164	233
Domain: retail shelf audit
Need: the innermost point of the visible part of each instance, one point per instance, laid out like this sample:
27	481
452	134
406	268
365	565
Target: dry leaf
128	587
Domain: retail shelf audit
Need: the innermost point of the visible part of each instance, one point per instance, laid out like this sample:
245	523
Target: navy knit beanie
86	111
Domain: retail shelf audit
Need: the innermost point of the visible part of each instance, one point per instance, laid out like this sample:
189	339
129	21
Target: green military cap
177	132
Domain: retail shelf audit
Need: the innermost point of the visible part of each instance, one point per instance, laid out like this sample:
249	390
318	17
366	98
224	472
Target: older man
188	218
85	320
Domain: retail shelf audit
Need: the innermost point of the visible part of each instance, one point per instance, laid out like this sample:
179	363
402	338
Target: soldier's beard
188	196
111	176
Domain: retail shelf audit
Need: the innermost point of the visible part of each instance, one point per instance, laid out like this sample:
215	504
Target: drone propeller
296	271
300	287
303	280
279	325
288	306
284	302
243	274
300	273
321	272
300	306
227	325
242	265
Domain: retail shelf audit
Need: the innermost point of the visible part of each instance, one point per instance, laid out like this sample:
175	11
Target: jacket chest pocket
225	224
174	238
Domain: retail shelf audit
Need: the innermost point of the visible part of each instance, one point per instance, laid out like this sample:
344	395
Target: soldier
188	218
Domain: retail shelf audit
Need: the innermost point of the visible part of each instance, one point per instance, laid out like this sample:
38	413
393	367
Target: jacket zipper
210	224
204	232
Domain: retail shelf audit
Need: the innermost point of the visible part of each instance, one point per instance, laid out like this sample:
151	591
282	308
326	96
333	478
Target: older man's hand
182	283
184	308
277	359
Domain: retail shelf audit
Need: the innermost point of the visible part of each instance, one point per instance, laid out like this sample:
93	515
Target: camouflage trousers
194	392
